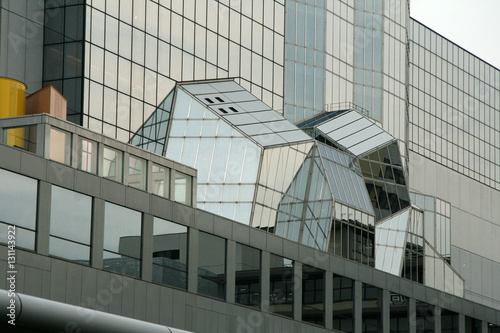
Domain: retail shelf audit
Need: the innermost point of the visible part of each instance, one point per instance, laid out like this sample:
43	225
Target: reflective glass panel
282	286
212	265
136	172
399	313
343	304
70	215
372	309
183	188
87	155
122	239
112	164
69	250
18	199
170	253
160	180
247	275
21	137
60	146
313	295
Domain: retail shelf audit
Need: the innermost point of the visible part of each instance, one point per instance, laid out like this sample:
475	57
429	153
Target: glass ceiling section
246	112
390	243
226	160
152	135
343	174
355	133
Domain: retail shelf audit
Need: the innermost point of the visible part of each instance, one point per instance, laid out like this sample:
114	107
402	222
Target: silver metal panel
240	118
362	135
254	106
295	136
376	141
269	139
198	89
226	86
349	129
255	129
339	122
240	96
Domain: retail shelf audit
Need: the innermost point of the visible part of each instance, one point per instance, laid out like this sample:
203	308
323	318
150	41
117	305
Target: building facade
118	62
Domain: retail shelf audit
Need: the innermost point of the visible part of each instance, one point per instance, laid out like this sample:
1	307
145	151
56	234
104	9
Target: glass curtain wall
64	52
343	304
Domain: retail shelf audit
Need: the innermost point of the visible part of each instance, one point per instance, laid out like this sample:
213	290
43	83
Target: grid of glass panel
371	309
305	210
70	224
64	52
305	58
227	162
390	243
135	51
152	134
437	220
170	253
353	235
18	206
343	174
385	180
454	106
343	304
368	52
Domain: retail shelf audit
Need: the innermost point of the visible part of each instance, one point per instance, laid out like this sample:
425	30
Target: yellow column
12	104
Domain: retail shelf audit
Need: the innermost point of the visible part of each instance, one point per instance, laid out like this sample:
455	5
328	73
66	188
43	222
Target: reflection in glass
136	172
372	309
212	265
112	164
60	146
160	180
183	188
313	295
70	223
424	317
449	321
247	275
473	325
170	253
122	239
18	204
343	304
87	160
399	313
282	286
21	137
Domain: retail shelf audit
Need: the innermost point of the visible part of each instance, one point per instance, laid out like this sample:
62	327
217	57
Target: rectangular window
183	188
247	275
87	155
281	286
136	172
160	181
343	304
122	240
372	309
212	266
60	146
21	137
112	164
18	202
399	313
70	223
313	295
170	253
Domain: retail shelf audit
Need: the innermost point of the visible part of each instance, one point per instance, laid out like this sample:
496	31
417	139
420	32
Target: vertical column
484	327
265	284
358	306
386	311
297	291
43	217
230	270
41	140
97	233
328	300
412	315
147	247
437	319
74	150
461	323
194	236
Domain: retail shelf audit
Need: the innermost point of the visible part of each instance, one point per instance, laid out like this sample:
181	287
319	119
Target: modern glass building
343	129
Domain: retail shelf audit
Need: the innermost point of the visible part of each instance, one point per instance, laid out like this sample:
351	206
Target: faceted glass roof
355	133
246	112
